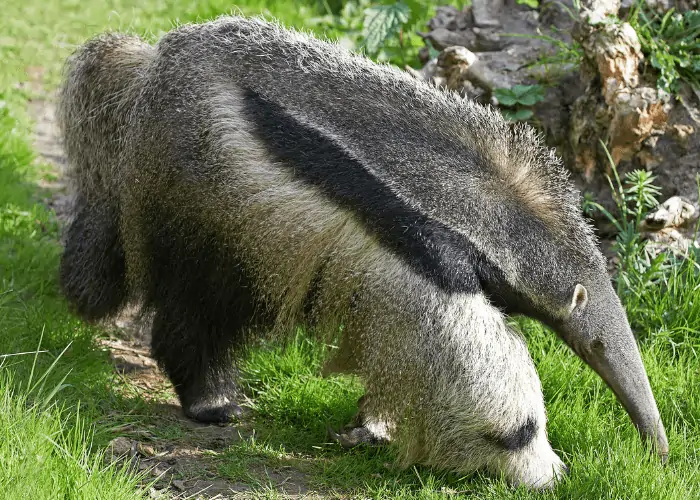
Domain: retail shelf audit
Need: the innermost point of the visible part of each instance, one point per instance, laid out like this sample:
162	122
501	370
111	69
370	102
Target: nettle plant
516	102
385	31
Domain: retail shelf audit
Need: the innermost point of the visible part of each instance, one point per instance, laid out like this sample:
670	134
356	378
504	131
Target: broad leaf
382	22
528	94
517	115
505	97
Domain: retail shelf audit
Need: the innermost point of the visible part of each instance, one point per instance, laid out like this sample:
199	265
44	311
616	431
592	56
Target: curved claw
352	437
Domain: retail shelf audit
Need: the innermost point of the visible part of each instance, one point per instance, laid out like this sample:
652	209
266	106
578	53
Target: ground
88	395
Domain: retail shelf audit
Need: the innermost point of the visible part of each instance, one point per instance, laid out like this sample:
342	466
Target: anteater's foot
371	433
363	429
217	411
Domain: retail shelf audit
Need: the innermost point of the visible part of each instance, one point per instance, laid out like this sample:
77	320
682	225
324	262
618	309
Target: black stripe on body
445	257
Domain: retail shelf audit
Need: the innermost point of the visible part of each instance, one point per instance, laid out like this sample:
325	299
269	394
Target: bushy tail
101	81
100	87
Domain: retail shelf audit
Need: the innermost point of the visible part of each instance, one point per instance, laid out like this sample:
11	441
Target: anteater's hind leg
92	269
203	307
196	355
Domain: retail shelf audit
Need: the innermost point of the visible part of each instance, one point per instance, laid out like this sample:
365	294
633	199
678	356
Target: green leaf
506	97
666	64
517	115
527	95
530	94
520	90
533	4
672	43
420	11
533	96
432	51
382	22
522	115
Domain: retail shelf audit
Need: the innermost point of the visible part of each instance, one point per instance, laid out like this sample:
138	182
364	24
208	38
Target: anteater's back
238	92
431	146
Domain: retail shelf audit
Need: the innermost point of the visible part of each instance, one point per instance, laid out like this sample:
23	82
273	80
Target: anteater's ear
580	298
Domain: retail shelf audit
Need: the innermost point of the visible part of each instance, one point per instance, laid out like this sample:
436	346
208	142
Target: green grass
46	451
51	449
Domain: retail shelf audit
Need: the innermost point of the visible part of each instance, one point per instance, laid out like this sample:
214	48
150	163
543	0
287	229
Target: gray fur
164	137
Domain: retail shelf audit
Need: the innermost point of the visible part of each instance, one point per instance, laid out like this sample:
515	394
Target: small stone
121	447
487	40
667	227
682	131
146	450
674	212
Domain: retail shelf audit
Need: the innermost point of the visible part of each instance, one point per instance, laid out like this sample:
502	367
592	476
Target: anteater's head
591	320
553	270
595	326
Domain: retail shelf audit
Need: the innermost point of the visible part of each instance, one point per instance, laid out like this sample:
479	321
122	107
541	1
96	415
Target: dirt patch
183	467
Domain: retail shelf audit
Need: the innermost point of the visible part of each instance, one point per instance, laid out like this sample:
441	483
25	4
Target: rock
637	115
459	69
146	450
451	18
616	51
441	38
669	240
559	14
682	132
179	485
675	212
607	97
487	12
642	126
453	67
488	40
594	12
610	69
629	115
671	227
677	152
120	448
484	27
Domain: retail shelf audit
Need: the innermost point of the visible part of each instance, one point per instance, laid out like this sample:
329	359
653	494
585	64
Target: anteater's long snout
599	332
620	365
